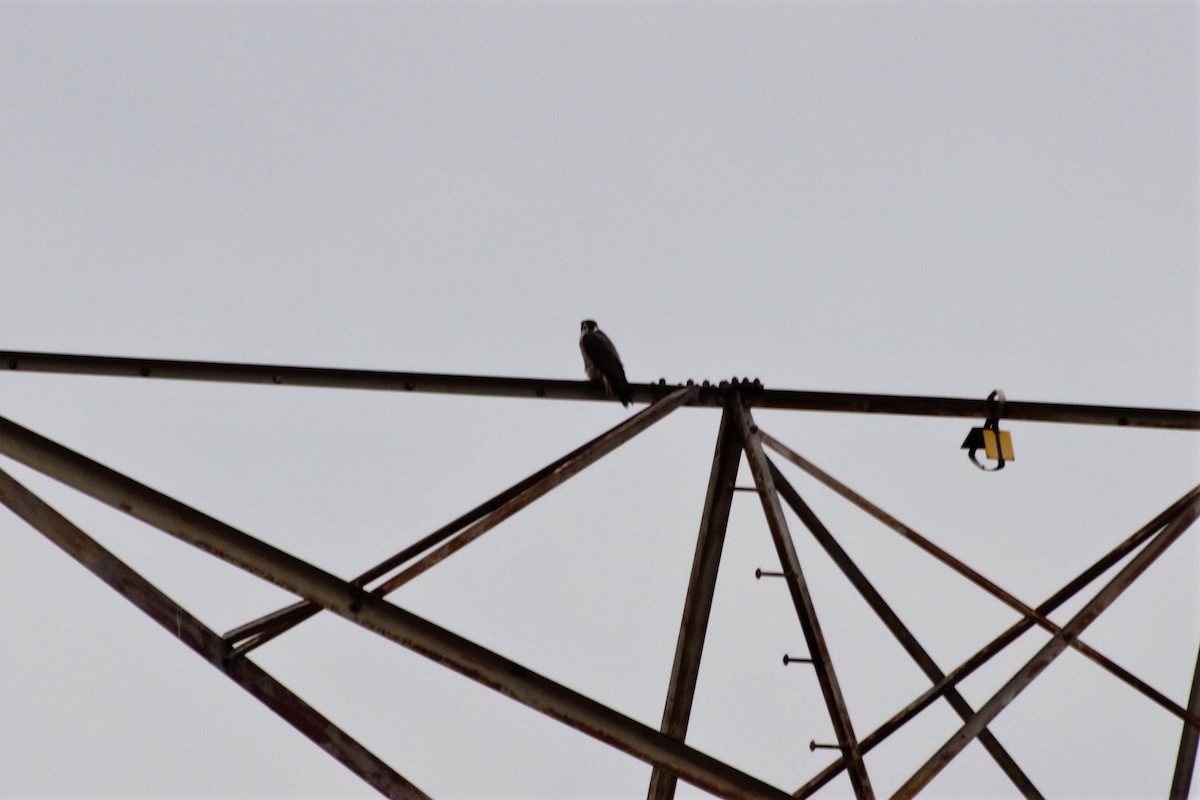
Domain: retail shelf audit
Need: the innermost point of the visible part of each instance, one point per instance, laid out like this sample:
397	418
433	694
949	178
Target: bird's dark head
587	326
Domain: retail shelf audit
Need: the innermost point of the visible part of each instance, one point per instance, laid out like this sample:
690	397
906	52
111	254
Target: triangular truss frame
665	749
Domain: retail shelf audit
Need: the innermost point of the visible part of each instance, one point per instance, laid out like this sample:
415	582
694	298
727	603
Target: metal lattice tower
361	600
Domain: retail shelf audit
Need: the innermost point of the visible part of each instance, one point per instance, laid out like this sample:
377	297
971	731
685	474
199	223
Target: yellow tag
989	444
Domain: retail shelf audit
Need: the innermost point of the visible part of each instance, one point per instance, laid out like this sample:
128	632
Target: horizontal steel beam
389	621
712	395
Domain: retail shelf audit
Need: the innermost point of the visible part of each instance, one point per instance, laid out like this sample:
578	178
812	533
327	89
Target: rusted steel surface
205	642
801	598
697	605
899	630
1052	649
1185	762
452	537
983	655
708	394
972	575
353	603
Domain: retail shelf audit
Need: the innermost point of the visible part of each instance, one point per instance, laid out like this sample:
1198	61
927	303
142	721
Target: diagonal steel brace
802	599
204	641
899	630
389	621
974	576
1051	650
452	536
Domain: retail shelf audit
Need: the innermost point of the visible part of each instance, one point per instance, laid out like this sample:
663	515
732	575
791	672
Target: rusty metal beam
802	600
973	575
1185	762
591	453
1051	650
374	614
481	519
204	642
697	605
898	629
983	655
709	395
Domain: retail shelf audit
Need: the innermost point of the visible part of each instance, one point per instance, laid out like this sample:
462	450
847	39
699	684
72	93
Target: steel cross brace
204	641
984	654
974	576
392	622
802	599
1051	650
898	629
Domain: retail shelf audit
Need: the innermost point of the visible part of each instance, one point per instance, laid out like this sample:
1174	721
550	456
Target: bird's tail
623	393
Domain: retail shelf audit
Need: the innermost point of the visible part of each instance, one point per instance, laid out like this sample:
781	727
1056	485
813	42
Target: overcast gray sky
915	198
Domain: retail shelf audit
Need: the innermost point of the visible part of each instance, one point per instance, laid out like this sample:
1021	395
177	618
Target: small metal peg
793	660
759	574
814	745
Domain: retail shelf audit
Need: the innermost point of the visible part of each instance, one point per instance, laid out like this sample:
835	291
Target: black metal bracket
997	444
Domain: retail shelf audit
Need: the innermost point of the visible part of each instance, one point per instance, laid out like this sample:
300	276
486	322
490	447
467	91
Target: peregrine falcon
601	362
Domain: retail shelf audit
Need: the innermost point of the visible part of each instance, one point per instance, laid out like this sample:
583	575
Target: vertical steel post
698	604
1052	649
802	599
204	641
899	630
1185	763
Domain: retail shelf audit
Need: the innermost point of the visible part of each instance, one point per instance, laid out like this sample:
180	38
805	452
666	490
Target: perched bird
601	362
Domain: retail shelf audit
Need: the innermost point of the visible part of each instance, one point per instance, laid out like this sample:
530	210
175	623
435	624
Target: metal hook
996	401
